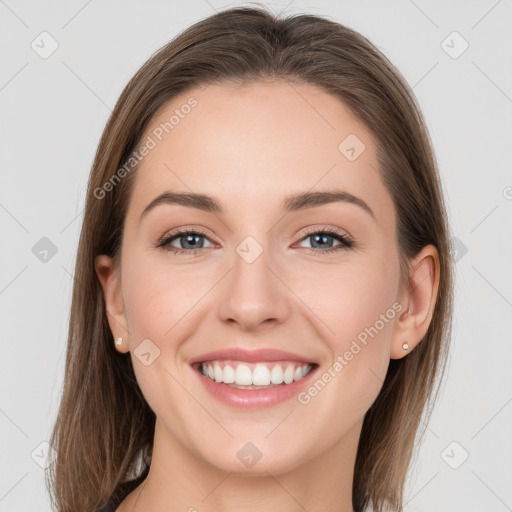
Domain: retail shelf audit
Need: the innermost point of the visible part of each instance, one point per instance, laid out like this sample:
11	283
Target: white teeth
229	375
288	375
276	375
243	375
261	374
217	372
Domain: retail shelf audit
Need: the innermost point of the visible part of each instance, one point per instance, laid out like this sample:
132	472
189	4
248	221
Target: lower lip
254	398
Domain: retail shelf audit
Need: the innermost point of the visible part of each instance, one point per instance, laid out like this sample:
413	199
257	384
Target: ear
109	277
418	300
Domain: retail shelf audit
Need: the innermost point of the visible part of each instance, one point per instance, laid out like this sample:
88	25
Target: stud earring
405	346
119	341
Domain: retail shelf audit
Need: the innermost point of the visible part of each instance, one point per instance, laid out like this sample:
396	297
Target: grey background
53	113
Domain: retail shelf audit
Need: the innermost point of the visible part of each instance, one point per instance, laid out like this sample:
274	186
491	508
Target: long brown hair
104	429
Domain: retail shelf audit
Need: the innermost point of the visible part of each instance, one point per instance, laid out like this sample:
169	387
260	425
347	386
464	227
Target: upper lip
241	354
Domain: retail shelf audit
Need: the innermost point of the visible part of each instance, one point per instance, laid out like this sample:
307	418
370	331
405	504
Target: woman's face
259	272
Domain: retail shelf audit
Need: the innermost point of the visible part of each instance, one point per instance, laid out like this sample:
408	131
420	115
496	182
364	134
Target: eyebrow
291	203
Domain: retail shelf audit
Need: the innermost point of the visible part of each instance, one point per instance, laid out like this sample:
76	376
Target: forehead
257	142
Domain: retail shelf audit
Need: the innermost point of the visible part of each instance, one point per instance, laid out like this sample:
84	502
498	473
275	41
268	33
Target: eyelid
309	230
346	240
184	230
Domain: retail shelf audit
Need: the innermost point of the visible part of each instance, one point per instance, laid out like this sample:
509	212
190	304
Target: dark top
121	493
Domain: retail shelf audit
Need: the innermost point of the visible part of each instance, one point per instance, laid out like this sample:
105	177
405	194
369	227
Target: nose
254	295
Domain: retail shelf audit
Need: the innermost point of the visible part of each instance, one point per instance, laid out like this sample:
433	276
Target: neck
179	479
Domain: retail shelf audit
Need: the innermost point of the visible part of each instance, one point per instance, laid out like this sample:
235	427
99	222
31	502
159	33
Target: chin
256	459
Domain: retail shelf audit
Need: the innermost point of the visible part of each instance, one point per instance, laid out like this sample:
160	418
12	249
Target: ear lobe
421	297
110	282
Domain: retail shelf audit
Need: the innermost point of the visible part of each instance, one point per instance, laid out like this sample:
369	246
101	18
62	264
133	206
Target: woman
263	287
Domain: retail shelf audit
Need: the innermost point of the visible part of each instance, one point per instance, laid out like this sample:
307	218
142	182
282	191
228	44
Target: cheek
350	297
156	298
158	295
365	339
357	309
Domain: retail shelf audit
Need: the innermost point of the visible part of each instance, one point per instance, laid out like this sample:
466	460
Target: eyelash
346	242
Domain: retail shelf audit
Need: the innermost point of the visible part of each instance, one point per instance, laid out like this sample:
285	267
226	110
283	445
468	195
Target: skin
250	147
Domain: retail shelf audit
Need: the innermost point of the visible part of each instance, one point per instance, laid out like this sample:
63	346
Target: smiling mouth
260	375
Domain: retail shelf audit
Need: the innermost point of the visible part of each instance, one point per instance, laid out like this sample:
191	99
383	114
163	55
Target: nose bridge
254	294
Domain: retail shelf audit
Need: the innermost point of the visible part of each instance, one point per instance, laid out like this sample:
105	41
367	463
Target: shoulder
109	507
123	496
